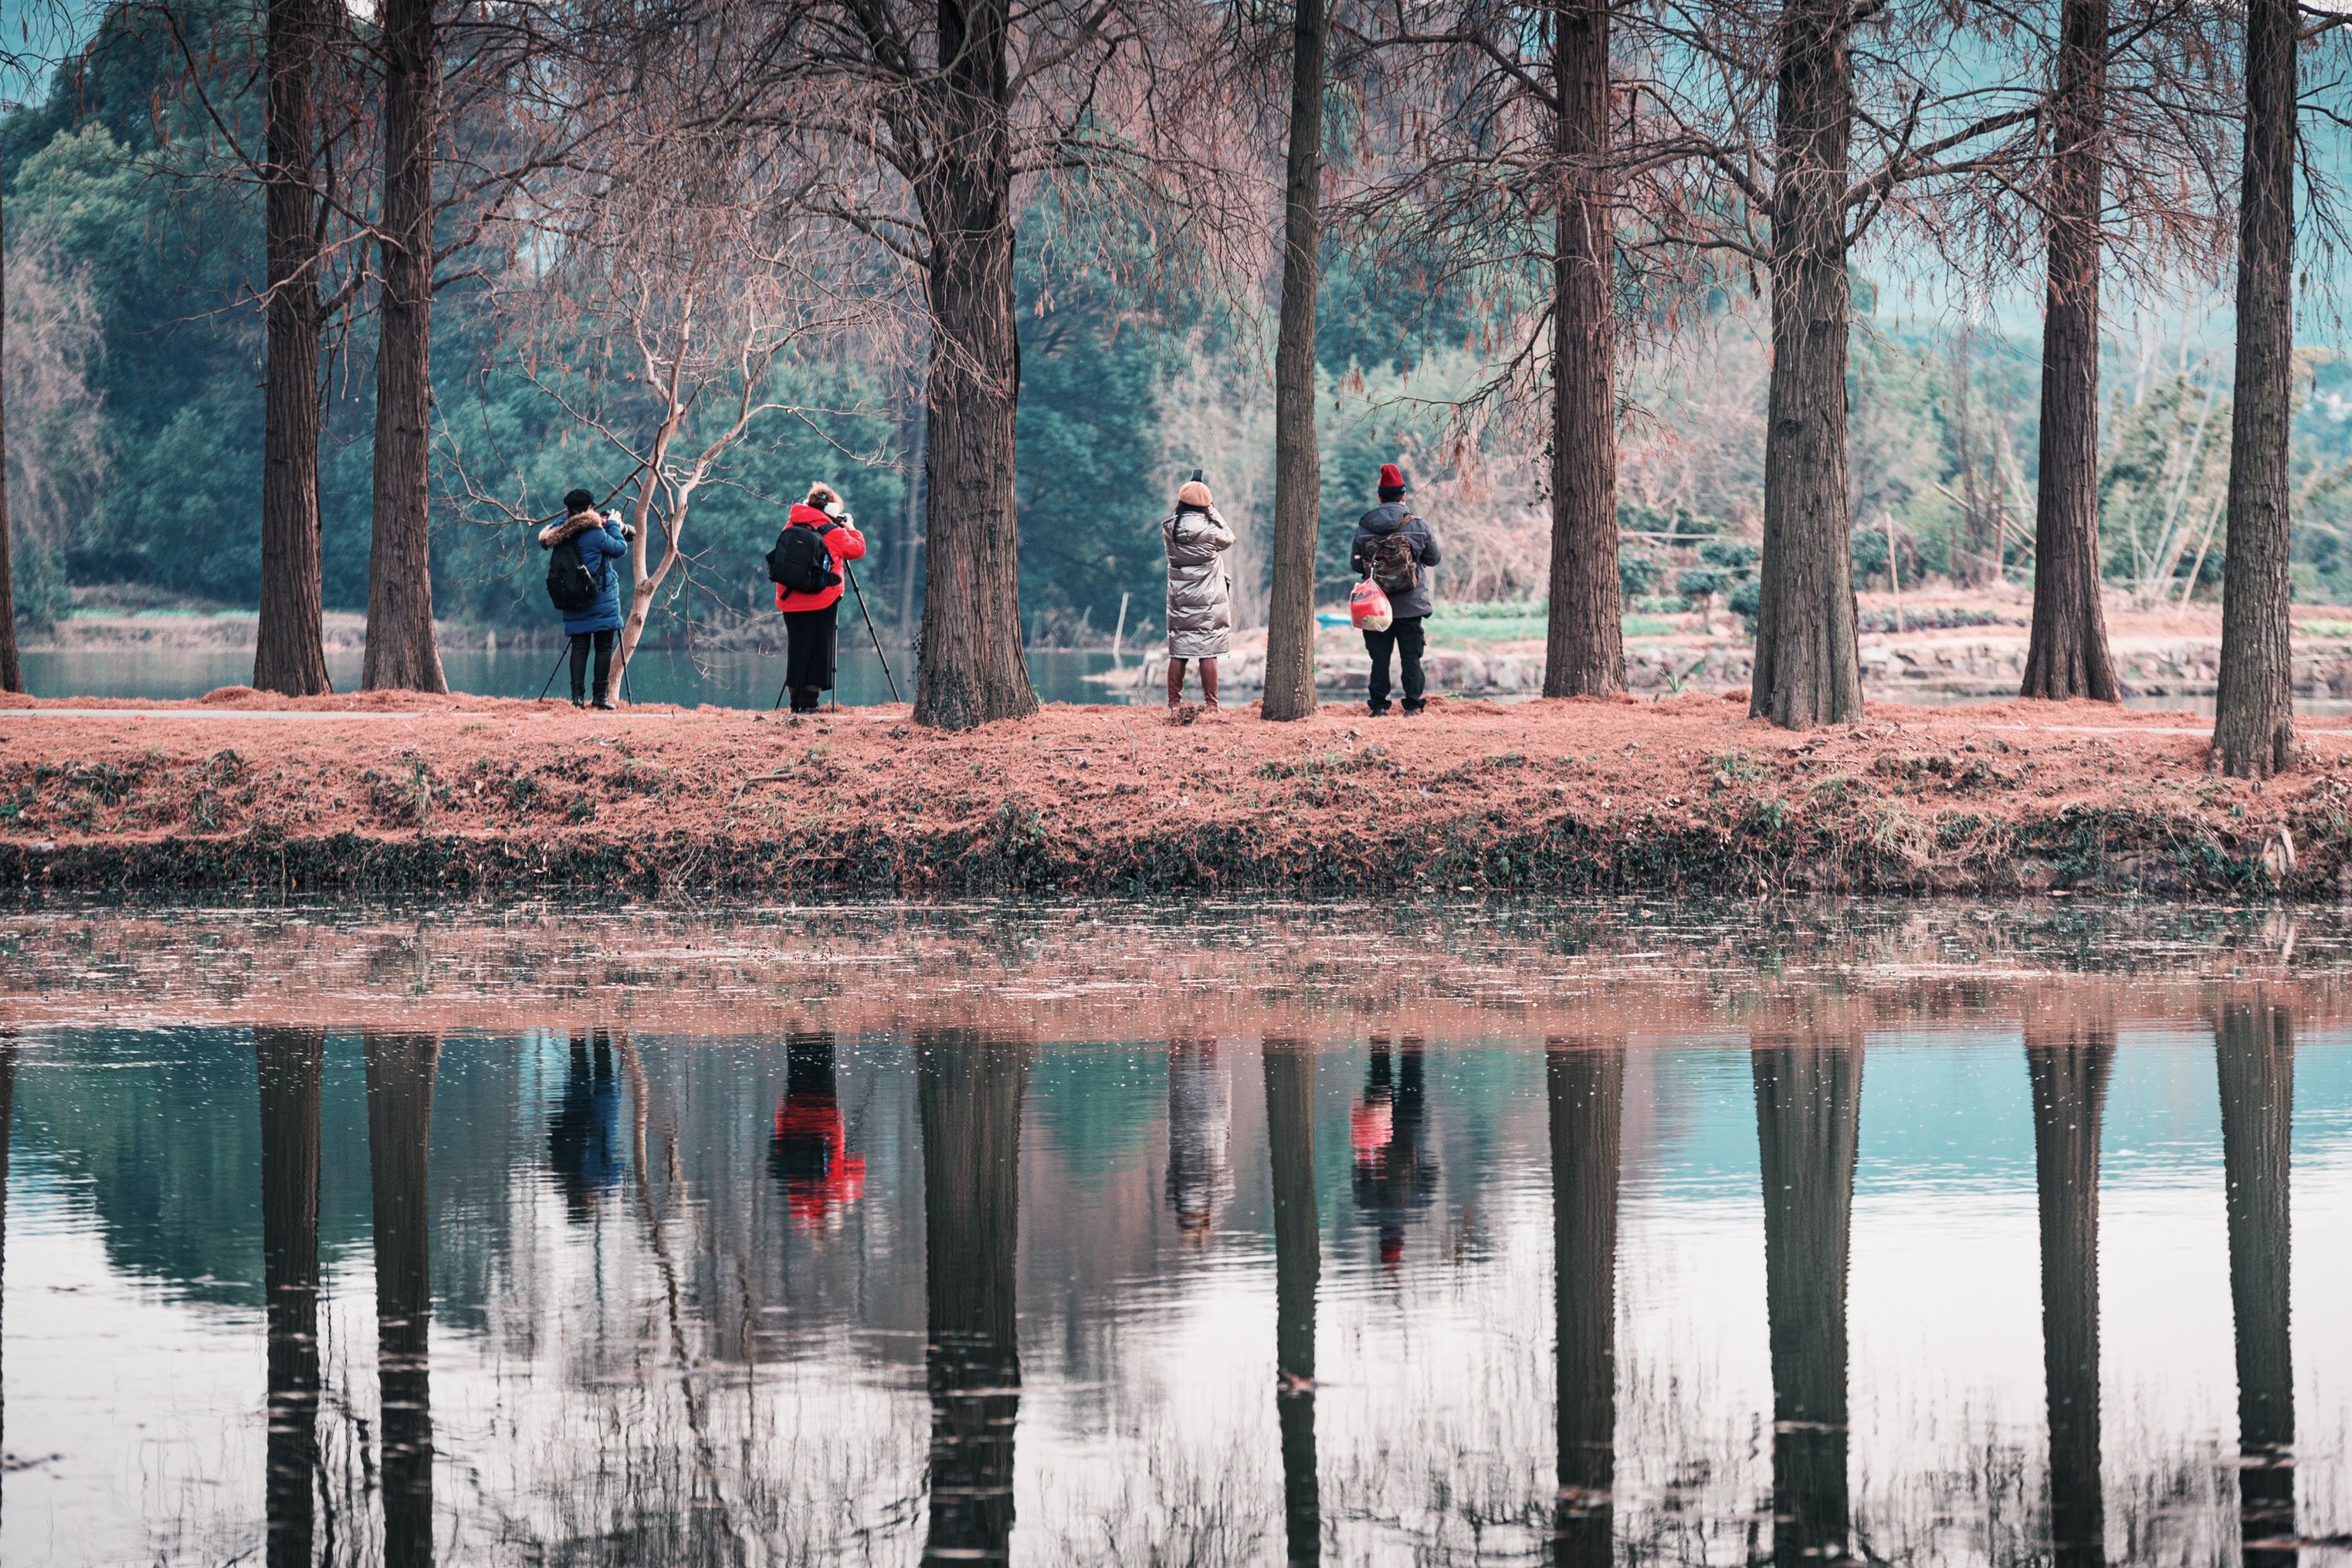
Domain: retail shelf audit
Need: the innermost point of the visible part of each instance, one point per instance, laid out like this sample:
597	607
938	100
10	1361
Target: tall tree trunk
2069	1071
1584	652
290	653
972	668
2254	1044
1585	1087
12	671
1298	1270
1297	463
1808	657
290	1064
969	1091
401	652
1807	1113
2067	656
400	1072
2253	721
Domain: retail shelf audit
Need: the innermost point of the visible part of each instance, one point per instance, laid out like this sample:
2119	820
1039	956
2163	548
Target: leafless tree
677	299
310	165
401	651
2253	721
1767	104
921	124
1297	463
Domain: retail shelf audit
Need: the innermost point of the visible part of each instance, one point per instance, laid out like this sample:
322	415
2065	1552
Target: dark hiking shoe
1380	713
606	705
1412	710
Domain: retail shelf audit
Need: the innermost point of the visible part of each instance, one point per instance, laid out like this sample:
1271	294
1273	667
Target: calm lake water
657	675
1213	1233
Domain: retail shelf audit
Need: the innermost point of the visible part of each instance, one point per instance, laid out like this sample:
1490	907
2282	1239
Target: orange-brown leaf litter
397	792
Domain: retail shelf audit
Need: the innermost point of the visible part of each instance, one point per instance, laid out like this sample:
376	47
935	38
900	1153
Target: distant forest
135	413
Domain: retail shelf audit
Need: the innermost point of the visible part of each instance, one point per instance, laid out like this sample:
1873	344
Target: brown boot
1209	685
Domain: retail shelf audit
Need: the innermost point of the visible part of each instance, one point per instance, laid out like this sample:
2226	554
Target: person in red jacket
810	609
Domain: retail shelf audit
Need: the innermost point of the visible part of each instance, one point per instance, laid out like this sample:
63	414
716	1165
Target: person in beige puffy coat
1200	590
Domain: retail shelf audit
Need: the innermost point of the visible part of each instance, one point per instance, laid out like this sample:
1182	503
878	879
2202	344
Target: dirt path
1685	794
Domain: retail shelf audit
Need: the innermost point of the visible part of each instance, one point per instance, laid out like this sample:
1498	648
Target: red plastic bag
1367	606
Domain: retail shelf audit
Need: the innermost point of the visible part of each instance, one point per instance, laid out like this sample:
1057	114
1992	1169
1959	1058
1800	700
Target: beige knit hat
1194	493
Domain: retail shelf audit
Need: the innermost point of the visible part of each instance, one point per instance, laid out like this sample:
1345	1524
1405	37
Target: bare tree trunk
970	1091
2255	1046
401	652
1808	1114
1585	1086
290	1064
400	1072
2254	722
12	672
2067	656
1584	652
289	652
1298	1270
1297	463
2069	1073
1808	657
972	667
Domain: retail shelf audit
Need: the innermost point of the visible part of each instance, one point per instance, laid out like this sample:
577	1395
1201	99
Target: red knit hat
1392	477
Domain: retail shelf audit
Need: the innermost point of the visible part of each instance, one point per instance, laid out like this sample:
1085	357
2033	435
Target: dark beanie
578	502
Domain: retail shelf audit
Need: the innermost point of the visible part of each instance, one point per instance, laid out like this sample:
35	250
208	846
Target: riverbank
388	793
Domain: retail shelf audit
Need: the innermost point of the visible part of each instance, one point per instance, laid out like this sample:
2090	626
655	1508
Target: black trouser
579	641
809	653
1404	635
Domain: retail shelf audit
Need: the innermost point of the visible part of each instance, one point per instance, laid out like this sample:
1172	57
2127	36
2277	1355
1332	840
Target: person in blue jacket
602	540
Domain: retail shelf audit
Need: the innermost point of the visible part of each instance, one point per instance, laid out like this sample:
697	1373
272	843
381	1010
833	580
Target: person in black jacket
1410	606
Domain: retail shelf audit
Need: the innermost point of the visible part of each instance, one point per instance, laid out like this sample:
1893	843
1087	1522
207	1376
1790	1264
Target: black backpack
801	560
570	587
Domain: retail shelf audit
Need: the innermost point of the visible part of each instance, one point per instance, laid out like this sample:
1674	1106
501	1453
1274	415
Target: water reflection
810	1154
400	1071
1298	1271
583	1140
1807	1112
2254	1041
1394	1175
1584	1083
1624	1295
970	1092
2069	1064
289	1062
1200	1137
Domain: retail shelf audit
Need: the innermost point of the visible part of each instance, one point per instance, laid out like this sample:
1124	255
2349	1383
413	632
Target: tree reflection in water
971	1091
291	1063
1298	1270
7	1118
400	1072
2254	1042
2069	1064
1584	1087
714	1333
1807	1115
